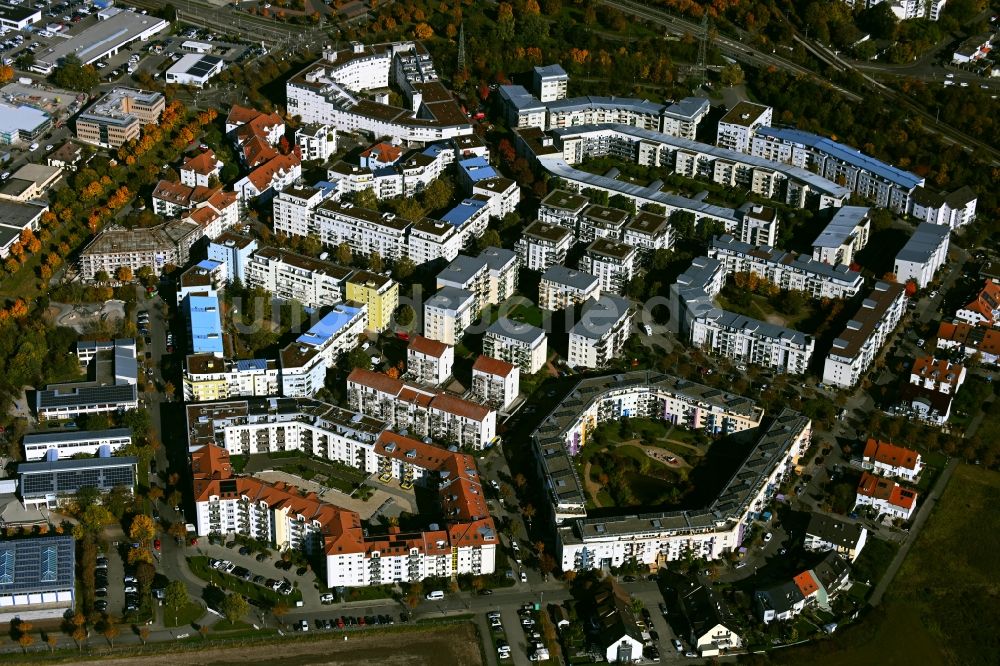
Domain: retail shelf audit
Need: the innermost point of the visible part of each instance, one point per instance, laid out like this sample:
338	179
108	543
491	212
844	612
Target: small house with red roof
892	461
380	156
984	309
199	169
886	497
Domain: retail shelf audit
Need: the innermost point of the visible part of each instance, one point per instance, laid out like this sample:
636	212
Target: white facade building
495	383
599	337
518	343
561	287
923	254
857	346
845	236
737	127
429	361
289	276
62	445
316	141
448	313
543	245
611	262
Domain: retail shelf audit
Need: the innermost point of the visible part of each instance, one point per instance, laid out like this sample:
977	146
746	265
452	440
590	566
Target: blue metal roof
248	364
206	324
209	264
461	213
845	154
331	324
477	169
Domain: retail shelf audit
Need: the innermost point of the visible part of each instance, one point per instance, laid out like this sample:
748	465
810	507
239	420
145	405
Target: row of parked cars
225	566
345	621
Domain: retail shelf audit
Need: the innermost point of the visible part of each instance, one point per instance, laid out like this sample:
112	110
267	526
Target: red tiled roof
202	163
884	489
239	115
427	347
890	454
459	407
806	583
385	152
902	497
174	192
256	151
493	366
262	176
375	380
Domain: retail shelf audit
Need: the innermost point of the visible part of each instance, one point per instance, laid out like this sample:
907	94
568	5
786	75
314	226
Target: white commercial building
61	445
857	346
423	411
922	256
115	29
194	69
600	336
522	344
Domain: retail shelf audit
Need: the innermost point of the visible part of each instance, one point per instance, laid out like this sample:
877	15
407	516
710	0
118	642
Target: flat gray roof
516	330
559	274
843	224
91	44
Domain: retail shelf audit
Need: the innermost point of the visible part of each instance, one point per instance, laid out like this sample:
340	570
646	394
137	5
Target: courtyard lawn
185	615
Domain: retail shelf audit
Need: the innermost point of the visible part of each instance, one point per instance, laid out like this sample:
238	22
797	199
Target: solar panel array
68	481
36	564
204	65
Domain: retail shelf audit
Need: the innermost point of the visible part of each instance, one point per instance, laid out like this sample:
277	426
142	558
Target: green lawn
185	615
199	567
941	608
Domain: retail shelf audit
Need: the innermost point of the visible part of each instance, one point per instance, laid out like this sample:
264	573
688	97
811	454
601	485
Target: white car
524	577
740	565
326	598
648	329
33	147
767	537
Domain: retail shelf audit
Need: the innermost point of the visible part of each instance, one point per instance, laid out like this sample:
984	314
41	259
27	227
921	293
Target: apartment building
61	445
951	210
550	82
365	231
737	128
600	335
448	313
168	244
924	253
648	232
203	317
984	309
118	116
304	362
423	411
269	178
971	340
389	174
887	459
937	374
543	245
869	178
772	179
886	497
521	108
611	262
316	141
758	224
681	118
491	277
696	318
171	198
518	343
198	170
562	287
292	209
429	361
844	236
711	532
234	252
208	377
786	270
312	282
495	383
857	346
379	293
826	533
562	209
327	92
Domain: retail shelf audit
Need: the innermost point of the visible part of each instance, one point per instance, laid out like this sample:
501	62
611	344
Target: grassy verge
185	615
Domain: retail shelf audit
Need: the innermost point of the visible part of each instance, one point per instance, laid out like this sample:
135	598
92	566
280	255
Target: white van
436	595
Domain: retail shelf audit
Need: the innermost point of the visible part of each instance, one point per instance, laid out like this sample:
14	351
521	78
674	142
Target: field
452	644
942	607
